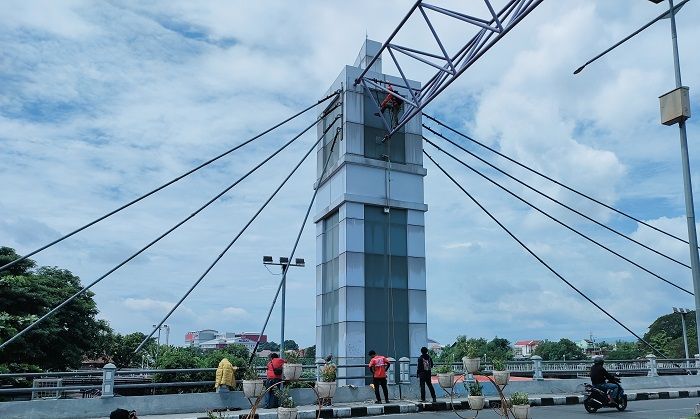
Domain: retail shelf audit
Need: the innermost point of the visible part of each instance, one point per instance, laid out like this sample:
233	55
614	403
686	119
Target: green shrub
499	365
475	389
519	398
284	397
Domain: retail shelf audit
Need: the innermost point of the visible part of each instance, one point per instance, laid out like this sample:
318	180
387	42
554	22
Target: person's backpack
426	364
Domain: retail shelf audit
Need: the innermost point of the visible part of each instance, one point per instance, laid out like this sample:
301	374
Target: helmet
598	359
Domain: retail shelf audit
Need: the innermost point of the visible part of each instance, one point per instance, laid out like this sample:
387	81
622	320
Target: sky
103	101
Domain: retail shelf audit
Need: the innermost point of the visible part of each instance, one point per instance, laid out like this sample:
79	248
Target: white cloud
148	304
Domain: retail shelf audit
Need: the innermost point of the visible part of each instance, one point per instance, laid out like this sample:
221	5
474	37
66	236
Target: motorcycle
596	398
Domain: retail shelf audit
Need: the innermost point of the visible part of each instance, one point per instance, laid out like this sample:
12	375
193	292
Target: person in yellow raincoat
225	376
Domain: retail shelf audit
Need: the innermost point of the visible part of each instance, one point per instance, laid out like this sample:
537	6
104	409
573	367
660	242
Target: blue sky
102	101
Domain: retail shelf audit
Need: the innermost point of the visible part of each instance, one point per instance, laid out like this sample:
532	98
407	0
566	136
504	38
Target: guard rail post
537	368
108	373
391	372
652	366
404	370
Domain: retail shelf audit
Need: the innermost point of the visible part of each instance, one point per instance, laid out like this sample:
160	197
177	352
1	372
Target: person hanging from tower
394	104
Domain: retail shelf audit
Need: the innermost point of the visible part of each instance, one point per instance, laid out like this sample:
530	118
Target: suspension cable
559	202
624	214
231	243
165	185
514	237
557	220
296	243
125	261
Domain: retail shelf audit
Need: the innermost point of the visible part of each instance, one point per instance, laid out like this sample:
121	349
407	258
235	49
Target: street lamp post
683	312
284	264
679	97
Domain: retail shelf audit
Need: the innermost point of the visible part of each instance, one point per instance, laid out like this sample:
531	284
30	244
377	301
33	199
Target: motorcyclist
598	377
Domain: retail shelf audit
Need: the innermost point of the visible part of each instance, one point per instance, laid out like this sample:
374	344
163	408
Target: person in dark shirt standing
599	375
425	365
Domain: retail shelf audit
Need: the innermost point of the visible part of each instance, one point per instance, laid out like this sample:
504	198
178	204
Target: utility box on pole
675	106
370	228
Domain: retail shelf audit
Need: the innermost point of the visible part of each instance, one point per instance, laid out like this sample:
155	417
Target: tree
499	348
290	345
121	349
565	349
625	350
666	335
310	352
270	346
60	341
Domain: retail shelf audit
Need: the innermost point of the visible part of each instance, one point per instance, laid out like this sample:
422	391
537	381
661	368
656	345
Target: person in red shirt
379	364
274	376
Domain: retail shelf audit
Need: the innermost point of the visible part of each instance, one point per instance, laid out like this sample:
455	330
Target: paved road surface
647	409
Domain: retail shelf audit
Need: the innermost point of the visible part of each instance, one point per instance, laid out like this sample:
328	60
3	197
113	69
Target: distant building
435	346
212	339
197	337
255	337
525	348
222	340
589	346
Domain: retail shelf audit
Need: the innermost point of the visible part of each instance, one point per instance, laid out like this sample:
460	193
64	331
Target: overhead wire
540	260
233	241
569	188
170	230
165	185
557	220
558	201
296	243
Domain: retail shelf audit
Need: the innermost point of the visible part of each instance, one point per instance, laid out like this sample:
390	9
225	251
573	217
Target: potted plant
500	375
327	385
521	405
291	370
288	409
476	397
472	361
445	374
253	386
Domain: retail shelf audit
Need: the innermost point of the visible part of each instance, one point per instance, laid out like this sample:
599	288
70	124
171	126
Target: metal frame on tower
492	27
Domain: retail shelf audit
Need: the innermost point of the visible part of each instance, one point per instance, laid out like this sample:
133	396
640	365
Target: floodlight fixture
284	260
267	259
299	262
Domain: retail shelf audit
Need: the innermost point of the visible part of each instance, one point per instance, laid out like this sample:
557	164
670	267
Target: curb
389	409
335	412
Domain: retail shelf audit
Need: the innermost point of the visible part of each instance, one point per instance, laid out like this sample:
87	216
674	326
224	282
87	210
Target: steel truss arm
492	26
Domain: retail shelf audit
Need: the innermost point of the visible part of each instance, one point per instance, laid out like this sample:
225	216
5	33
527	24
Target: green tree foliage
666	334
310	352
497	348
270	346
290	345
120	349
625	350
555	351
61	341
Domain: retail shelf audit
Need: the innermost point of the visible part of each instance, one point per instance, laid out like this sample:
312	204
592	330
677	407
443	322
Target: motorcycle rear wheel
590	408
623	404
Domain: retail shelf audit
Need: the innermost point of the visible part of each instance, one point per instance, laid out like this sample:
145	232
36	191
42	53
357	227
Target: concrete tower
370	229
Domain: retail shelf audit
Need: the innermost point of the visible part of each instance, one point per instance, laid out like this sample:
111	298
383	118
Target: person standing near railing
379	364
274	378
425	365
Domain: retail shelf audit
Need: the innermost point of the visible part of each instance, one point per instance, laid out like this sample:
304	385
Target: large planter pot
471	365
446	380
326	389
291	372
287	412
476	402
501	377
520	411
253	388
